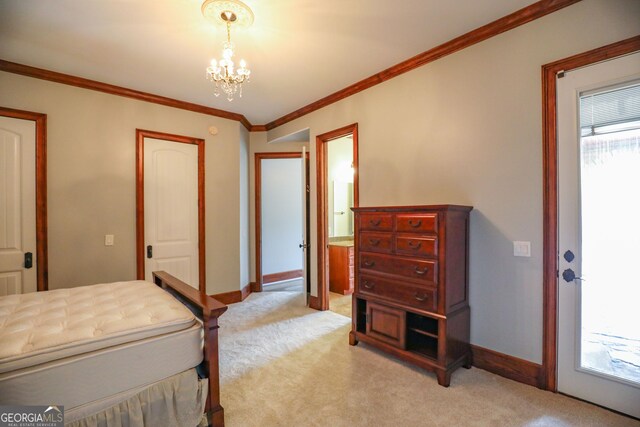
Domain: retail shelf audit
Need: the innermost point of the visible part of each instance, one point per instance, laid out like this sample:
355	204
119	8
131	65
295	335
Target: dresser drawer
375	242
375	222
413	223
416	246
416	269
387	324
414	296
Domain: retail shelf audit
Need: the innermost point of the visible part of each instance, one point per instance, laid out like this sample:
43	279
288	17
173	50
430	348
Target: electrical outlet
109	239
521	248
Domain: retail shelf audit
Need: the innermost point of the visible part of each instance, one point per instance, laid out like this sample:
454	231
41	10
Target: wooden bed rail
208	310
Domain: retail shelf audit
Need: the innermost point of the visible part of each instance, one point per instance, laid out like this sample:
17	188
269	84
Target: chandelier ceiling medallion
227	78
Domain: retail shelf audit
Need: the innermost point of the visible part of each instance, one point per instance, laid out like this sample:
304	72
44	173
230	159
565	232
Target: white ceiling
298	50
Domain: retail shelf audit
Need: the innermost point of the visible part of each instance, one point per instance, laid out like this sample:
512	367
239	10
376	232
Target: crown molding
258	128
53	76
506	23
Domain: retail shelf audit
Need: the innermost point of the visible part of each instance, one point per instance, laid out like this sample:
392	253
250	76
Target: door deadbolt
569	256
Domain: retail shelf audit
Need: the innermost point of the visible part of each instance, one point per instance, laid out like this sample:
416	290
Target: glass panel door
599	234
610	291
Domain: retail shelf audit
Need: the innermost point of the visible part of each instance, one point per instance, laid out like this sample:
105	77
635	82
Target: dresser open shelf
411	292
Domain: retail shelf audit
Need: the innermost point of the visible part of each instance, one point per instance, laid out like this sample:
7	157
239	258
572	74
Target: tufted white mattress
43	326
76	346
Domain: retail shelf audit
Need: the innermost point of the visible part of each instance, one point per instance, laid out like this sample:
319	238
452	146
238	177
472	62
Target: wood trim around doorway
42	240
259	282
550	193
141	134
321	302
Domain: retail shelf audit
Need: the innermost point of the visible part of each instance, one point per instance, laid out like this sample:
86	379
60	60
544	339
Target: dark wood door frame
141	134
550	193
42	242
321	302
257	285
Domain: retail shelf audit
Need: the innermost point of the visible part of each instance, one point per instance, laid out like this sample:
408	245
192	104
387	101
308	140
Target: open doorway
281	191
337	180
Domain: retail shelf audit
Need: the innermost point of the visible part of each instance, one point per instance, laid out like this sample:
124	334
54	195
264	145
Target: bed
125	353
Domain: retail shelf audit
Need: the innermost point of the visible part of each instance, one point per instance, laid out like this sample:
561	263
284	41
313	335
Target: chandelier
228	78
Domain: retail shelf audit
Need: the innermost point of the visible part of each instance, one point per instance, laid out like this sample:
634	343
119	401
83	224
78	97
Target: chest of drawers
411	292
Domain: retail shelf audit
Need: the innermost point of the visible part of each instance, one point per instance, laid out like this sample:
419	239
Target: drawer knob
367	284
420	297
414	245
375	222
368	263
421	272
415	224
374	242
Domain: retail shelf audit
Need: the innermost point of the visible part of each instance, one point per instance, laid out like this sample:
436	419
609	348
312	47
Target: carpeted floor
283	364
340	304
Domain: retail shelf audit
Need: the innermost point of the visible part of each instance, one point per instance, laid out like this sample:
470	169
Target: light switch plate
109	239
521	248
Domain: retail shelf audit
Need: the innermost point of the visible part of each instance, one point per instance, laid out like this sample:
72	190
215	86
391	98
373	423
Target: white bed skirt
176	401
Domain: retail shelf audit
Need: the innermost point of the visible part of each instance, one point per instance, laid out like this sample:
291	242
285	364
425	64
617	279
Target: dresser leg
352	339
467	363
444	378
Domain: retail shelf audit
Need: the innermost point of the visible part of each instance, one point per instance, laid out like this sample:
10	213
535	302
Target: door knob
149	251
28	260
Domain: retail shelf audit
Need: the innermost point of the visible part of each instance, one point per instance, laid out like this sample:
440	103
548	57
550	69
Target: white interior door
305	241
17	206
599	234
171	209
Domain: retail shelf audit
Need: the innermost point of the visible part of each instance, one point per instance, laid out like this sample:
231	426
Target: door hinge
560	74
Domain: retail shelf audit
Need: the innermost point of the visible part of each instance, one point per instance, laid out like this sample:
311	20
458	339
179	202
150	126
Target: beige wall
245	255
91	180
466	129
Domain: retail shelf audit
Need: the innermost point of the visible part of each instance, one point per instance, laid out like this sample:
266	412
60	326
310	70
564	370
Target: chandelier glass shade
228	78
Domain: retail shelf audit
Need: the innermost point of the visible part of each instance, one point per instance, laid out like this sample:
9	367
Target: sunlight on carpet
283	364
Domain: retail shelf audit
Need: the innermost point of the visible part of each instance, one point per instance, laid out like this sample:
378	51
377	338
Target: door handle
28	260
569	276
303	246
149	251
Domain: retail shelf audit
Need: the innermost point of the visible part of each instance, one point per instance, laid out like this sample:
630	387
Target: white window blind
610	111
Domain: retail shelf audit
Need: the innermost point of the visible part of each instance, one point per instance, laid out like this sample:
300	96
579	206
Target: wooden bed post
208	310
215	412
